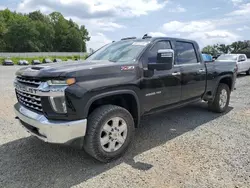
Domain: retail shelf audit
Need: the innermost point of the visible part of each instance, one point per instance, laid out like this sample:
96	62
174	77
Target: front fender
113	93
79	100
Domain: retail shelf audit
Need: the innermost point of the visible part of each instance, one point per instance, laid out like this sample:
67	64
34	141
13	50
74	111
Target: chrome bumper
50	131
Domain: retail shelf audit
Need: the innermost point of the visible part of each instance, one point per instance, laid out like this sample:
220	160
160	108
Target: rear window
185	53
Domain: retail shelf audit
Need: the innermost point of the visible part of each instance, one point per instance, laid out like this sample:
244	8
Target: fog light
58	104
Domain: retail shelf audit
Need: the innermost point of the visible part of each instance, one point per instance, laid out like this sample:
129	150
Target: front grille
28	81
29	100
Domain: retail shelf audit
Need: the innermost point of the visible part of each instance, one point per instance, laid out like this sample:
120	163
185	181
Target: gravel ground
188	147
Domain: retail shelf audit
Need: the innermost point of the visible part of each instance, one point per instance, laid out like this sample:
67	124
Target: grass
29	59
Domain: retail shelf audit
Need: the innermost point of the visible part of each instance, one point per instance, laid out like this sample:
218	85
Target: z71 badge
125	68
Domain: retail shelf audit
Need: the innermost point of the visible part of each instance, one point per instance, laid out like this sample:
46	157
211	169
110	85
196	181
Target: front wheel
110	130
221	100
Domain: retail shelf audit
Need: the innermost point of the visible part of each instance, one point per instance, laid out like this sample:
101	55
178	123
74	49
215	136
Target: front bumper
47	130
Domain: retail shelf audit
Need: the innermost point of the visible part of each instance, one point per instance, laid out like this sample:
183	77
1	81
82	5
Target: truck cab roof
153	39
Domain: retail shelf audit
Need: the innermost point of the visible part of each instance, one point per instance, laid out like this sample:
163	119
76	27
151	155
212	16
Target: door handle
176	73
202	70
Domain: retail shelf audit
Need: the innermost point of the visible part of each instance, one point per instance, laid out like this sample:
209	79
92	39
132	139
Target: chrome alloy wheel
223	98
113	134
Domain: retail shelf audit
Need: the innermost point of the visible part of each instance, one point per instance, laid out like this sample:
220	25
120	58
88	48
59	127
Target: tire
102	119
248	72
217	105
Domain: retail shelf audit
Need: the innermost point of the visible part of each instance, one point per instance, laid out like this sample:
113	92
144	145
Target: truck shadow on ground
29	162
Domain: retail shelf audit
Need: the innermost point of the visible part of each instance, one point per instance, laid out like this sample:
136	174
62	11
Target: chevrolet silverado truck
243	64
97	104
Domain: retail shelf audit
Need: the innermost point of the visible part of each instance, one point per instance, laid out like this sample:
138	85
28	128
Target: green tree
61	28
46	36
22	36
85	37
222	48
38	16
38	32
3	30
73	41
242	47
239	46
210	50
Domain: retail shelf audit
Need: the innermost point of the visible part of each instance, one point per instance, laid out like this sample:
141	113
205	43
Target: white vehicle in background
23	62
241	60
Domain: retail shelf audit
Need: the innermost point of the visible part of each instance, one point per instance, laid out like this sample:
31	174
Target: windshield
230	57
121	51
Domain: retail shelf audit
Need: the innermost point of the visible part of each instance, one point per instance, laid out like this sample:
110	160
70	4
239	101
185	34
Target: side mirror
165	60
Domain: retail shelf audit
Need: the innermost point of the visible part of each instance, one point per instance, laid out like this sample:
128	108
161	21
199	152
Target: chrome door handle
202	70
176	73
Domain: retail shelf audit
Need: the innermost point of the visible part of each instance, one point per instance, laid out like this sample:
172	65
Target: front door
193	70
240	63
160	88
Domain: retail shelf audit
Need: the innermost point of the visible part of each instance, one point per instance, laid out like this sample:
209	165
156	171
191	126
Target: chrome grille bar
28	95
31	106
29	100
28	81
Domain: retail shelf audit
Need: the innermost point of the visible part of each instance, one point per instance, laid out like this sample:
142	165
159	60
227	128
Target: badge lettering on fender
125	68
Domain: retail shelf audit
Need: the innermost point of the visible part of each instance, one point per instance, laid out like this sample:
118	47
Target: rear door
193	70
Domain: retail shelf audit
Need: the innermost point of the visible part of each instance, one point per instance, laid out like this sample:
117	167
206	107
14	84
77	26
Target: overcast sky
208	22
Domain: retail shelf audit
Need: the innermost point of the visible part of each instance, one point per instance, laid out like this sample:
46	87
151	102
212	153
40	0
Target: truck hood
63	69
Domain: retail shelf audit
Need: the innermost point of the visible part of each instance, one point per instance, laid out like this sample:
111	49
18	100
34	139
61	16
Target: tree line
239	47
36	32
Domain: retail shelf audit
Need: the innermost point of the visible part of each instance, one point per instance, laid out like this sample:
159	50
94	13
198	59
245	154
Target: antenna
146	36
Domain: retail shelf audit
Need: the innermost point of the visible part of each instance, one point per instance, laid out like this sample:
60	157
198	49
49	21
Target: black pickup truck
98	103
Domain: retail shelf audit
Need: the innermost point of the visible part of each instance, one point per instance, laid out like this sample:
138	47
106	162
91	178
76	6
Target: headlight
58	104
69	81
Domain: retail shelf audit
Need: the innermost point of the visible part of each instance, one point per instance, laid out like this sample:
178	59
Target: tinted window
185	53
160	45
152	55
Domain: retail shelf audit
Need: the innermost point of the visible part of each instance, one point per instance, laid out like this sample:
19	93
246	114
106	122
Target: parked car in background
23	62
207	58
47	61
8	62
241	60
57	60
35	62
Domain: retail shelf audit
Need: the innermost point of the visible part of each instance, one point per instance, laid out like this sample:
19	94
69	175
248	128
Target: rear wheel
110	130
248	72
221	100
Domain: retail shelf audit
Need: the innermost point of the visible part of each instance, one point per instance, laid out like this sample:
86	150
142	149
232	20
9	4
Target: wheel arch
225	79
118	98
